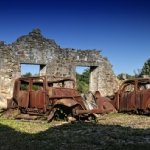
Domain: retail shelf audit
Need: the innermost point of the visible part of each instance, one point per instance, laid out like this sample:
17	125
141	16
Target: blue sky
120	28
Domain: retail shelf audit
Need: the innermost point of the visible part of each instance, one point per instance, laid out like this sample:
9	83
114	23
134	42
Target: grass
113	131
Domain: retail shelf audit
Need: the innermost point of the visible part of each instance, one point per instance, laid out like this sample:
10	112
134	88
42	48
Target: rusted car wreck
133	96
51	97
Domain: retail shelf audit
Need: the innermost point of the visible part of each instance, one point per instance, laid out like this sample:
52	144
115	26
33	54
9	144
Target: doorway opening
82	78
87	78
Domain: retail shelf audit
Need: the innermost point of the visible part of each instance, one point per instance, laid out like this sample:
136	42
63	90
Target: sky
120	28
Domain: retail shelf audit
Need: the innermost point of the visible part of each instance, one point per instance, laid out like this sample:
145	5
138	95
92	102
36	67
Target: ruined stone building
54	60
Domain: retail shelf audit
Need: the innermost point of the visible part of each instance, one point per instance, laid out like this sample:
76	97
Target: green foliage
37	74
28	74
35	87
137	74
78	77
146	68
119	76
85	76
60	114
24	87
82	81
82	86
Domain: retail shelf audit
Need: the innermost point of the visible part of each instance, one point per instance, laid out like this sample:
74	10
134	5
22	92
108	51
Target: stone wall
35	49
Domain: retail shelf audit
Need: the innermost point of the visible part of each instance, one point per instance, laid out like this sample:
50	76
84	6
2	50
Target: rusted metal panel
66	102
60	92
123	102
79	100
104	104
138	100
23	99
127	101
37	99
142	99
131	101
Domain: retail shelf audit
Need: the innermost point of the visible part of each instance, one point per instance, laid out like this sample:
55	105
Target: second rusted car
133	96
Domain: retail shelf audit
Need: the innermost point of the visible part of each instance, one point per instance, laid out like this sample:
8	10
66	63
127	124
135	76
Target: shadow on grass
76	136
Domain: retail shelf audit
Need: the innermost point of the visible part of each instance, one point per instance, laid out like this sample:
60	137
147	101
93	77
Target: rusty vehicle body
133	96
51	96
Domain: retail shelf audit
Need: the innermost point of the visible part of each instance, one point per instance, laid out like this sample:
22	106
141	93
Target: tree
82	87
146	68
137	74
78	77
85	76
119	76
28	74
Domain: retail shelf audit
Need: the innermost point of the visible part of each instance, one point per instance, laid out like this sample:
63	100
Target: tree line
139	73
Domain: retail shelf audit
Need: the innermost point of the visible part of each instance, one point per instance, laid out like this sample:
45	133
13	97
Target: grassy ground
113	131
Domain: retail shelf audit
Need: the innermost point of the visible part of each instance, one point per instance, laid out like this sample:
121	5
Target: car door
22	95
127	97
142	101
37	95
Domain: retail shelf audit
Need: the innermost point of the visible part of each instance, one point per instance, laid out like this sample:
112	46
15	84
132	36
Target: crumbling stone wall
35	49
